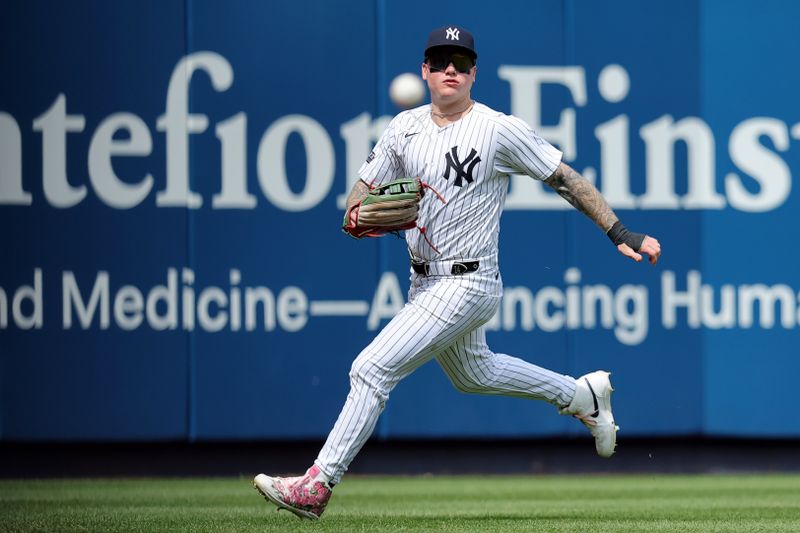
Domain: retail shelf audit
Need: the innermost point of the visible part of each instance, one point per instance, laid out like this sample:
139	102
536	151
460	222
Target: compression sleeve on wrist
619	235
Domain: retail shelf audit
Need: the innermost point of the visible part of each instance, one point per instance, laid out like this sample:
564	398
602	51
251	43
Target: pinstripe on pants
443	318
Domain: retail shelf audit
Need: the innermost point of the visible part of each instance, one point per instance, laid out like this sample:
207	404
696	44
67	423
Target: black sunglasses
440	62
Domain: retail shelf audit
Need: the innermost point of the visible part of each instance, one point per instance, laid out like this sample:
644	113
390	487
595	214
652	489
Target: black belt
458	268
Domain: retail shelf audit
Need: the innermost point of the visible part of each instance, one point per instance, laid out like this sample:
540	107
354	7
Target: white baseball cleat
592	406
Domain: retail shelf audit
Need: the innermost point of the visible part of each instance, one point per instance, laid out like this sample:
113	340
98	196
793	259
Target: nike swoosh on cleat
594	397
412	133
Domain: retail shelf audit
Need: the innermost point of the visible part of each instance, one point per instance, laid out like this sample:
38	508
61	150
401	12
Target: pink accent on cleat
306	496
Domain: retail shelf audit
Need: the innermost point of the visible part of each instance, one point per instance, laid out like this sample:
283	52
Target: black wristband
619	235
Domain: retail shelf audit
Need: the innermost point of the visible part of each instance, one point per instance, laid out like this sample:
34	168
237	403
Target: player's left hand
387	208
650	246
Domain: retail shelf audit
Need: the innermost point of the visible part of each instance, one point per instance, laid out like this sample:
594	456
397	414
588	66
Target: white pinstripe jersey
469	162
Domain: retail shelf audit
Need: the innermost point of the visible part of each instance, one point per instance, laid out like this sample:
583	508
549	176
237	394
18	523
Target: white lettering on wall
232	134
738	306
551	309
622	310
764	166
178	124
660	137
359	134
11	191
526	103
107	185
54	125
272	163
26	294
763	181
387	302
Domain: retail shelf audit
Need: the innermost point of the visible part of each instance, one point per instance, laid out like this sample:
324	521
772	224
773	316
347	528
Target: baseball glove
387	208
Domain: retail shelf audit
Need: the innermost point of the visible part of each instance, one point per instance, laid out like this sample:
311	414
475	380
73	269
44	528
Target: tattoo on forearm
584	196
357	193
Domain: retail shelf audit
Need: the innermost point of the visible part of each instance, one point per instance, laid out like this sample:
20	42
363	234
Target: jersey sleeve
383	163
521	151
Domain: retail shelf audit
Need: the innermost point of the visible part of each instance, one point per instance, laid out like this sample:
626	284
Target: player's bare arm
585	197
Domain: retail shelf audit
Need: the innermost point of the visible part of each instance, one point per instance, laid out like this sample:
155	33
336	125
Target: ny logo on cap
452	34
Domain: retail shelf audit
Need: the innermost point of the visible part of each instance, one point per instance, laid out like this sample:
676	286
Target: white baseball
407	90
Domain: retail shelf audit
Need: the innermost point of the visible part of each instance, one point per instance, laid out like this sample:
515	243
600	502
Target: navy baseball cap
452	36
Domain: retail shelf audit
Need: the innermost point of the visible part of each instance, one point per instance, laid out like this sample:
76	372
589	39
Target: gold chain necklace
444	115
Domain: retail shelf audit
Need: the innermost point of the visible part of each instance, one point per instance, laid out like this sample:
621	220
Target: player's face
450	74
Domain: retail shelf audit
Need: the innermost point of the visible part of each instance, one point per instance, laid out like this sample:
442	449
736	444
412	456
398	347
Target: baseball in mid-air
407	90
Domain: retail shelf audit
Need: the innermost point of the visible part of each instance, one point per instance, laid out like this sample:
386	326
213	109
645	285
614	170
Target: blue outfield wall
172	177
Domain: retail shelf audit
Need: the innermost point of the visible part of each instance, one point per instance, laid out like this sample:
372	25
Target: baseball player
466	153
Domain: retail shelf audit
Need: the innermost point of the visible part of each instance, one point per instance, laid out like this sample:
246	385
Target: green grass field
475	504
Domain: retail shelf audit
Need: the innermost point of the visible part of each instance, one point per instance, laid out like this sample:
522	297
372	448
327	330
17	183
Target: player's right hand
650	246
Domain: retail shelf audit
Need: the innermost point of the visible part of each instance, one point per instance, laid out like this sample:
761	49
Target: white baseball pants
443	318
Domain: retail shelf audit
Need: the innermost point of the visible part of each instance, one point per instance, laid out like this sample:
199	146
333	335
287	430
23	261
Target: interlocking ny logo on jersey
458	166
452	34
